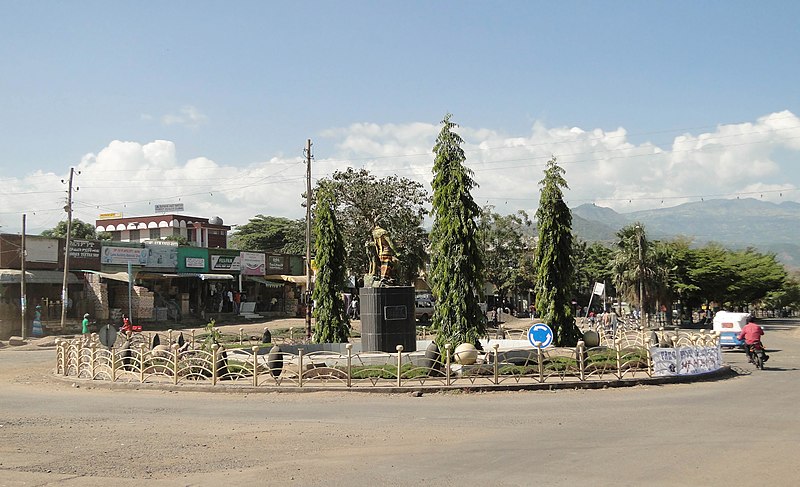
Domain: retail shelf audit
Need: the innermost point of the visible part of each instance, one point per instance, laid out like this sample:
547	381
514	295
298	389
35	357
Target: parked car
424	310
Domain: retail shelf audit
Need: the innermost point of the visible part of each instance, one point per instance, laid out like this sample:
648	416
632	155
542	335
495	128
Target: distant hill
738	223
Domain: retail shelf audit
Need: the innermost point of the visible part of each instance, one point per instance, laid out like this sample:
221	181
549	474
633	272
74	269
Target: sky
210	103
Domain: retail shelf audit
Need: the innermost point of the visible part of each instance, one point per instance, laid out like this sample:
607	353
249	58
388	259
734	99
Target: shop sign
275	263
253	264
195	263
84	249
124	255
226	262
84	254
162	256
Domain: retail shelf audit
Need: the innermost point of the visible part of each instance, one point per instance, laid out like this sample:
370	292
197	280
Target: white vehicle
424	310
729	325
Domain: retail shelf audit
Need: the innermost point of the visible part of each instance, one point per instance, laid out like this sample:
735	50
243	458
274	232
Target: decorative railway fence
235	360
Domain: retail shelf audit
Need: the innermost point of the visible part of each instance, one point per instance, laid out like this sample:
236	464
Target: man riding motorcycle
751	334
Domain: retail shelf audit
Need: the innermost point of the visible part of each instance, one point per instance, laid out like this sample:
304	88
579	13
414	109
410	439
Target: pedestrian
37	322
85	325
237	302
354	308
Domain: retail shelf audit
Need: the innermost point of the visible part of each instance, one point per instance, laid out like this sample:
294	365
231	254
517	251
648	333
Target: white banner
599	287
685	360
253	264
124	255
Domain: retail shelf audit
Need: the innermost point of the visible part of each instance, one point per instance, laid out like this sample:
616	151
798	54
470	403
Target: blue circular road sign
540	335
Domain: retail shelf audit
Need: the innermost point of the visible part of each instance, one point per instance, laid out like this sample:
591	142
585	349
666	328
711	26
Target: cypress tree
554	267
332	324
456	262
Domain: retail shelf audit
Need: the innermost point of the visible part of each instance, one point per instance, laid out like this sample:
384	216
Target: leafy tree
592	263
456	262
554	266
712	274
756	275
504	247
78	230
396	204
182	241
271	234
331	322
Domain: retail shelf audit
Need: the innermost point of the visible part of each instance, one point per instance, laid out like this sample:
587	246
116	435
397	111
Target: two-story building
199	232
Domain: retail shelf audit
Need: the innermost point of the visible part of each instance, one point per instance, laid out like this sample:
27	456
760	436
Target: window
155	233
134	235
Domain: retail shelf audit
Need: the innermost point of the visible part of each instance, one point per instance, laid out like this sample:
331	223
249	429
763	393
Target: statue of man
386	254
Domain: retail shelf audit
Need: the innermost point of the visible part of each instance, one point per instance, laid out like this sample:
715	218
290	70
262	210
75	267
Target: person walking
85	326
37	331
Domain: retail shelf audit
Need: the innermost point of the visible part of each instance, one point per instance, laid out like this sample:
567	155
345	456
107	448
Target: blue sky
162	101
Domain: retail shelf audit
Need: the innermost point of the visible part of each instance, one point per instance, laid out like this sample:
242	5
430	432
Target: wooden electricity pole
23	299
308	238
68	208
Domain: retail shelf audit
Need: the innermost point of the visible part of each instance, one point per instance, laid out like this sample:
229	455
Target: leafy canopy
78	230
553	261
396	204
271	234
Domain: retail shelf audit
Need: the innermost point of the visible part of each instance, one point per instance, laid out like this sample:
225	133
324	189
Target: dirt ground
71	433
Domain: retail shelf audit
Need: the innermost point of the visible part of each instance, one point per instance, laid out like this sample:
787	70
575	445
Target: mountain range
733	223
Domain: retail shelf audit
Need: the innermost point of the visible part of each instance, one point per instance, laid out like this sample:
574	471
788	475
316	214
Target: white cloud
605	167
188	116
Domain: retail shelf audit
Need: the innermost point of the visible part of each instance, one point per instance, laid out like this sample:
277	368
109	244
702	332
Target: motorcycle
756	354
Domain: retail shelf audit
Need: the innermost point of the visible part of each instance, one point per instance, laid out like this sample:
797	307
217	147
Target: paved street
52	433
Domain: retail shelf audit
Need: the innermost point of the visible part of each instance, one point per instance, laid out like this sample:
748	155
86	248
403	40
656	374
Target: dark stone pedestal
387	319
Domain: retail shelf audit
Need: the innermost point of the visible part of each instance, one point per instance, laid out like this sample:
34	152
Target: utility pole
308	238
68	209
642	319
23	298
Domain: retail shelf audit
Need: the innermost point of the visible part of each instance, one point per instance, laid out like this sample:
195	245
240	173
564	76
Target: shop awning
116	276
208	277
13	276
287	278
263	281
155	275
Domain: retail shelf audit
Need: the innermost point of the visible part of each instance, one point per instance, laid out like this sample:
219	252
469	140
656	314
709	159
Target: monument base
387	319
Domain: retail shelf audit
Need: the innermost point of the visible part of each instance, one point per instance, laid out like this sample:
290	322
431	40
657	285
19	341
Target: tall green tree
554	266
331	322
271	234
456	262
396	204
79	230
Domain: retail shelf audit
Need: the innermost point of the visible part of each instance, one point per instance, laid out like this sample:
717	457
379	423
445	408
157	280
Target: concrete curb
725	372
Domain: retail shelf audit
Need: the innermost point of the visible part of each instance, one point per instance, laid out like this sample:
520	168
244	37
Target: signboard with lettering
253	264
162	256
226	263
192	259
275	264
84	254
169	207
124	255
109	216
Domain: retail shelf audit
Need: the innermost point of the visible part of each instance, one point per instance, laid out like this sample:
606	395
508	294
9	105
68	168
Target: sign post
540	335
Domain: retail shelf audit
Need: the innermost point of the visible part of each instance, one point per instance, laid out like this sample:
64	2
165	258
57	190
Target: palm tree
630	265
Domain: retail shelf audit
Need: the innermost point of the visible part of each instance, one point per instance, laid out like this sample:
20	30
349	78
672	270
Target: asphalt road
738	431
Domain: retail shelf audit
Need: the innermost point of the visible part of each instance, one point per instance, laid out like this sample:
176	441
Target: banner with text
685	360
253	264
